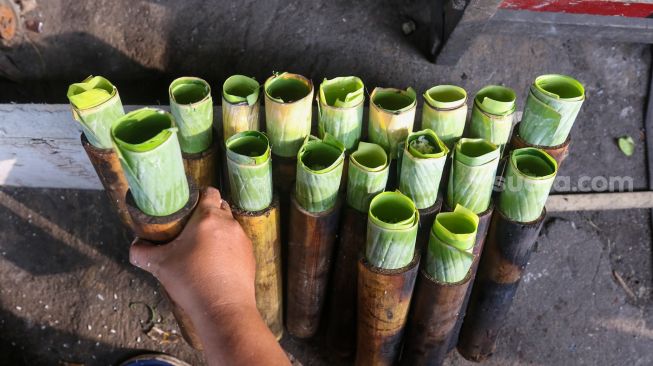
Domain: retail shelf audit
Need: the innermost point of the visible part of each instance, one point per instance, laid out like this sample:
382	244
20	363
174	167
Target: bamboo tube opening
239	89
496	99
145	129
371	159
475	148
393	100
342	92
561	86
288	88
445	96
534	162
91	92
189	90
392	209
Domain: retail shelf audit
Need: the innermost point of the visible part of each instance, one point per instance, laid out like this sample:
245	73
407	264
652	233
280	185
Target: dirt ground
68	294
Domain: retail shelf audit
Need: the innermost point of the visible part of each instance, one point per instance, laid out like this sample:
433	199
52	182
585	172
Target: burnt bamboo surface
263	229
431	323
383	302
341	320
558	152
507	251
203	167
310	252
108	169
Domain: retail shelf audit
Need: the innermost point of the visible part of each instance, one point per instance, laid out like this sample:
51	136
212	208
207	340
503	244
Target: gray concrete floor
67	286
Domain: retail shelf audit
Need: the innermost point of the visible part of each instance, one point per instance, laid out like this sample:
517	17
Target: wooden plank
599	201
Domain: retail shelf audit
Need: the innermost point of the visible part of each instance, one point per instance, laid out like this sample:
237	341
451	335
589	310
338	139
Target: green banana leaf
392	115
147	146
527	183
240	107
391	230
551	109
445	112
288	112
449	256
493	114
473	171
319	171
250	170
367	175
96	105
192	106
340	109
421	164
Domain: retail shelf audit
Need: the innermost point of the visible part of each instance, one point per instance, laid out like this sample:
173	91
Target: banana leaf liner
445	112
288	112
493	114
240	105
192	106
340	109
392	115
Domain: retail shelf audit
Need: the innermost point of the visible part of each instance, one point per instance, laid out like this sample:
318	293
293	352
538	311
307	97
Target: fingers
211	201
145	255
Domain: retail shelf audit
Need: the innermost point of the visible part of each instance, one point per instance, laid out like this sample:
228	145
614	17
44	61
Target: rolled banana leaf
527	183
288	103
449	255
445	112
249	167
240	105
473	171
421	163
147	146
493	114
551	108
391	230
367	175
96	105
319	170
192	106
340	109
392	115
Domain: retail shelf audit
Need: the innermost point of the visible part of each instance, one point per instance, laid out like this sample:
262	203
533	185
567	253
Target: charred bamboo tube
288	112
493	114
240	105
107	167
340	109
392	115
368	175
383	301
432	320
203	166
314	213
310	252
557	152
551	109
445	112
506	253
264	230
426	219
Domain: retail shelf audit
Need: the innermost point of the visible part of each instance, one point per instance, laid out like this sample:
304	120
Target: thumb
145	255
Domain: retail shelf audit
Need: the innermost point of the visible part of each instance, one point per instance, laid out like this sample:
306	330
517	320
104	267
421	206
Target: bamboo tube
392	115
107	166
481	233
551	109
240	105
506	254
284	172
558	152
383	302
288	109
310	251
340	109
341	324
163	229
445	112
493	114
368	175
432	319
203	166
263	229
